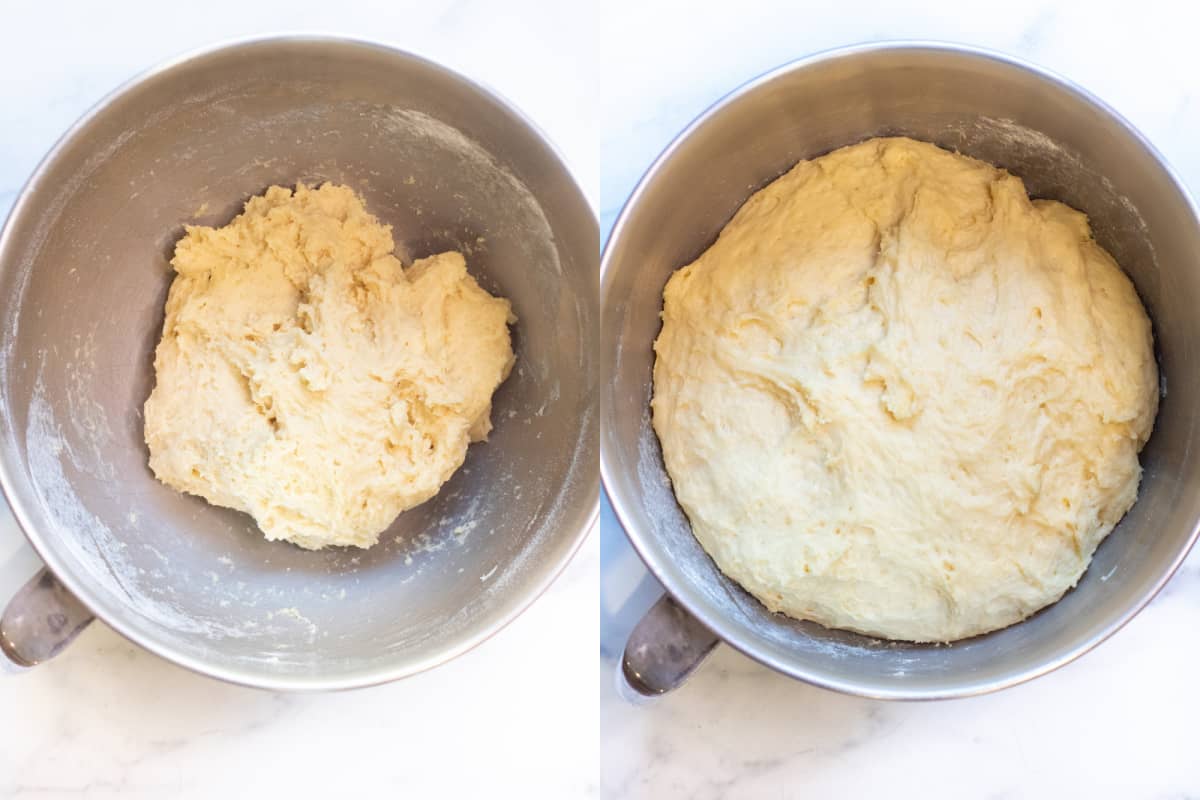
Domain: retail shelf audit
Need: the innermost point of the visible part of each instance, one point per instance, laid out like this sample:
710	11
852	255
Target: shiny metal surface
664	648
83	277
40	620
1067	146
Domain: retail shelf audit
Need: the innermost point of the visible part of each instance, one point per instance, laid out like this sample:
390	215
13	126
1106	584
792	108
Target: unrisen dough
897	396
307	378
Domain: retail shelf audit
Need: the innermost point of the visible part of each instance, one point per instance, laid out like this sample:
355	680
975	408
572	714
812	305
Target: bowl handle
40	620
665	648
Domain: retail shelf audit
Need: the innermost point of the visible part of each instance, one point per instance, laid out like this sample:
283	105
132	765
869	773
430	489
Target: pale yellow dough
899	397
307	378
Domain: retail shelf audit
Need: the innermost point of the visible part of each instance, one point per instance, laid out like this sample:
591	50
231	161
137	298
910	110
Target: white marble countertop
1116	724
107	719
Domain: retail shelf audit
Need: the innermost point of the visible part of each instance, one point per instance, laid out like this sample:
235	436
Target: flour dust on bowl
84	274
1066	146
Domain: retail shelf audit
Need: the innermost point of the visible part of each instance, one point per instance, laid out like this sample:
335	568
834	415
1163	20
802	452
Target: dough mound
898	397
307	378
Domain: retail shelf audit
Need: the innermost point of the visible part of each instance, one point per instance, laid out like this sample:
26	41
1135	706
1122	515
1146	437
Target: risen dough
899	397
305	377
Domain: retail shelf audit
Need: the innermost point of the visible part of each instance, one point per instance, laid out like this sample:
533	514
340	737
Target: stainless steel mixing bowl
1068	146
83	277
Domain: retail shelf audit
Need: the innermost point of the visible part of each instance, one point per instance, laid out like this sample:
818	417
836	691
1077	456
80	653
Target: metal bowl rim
8	471
680	590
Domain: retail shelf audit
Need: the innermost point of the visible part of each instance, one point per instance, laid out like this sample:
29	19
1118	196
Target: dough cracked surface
306	377
899	397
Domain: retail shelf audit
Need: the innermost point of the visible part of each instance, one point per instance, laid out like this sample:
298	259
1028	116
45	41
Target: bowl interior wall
1065	148
85	278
